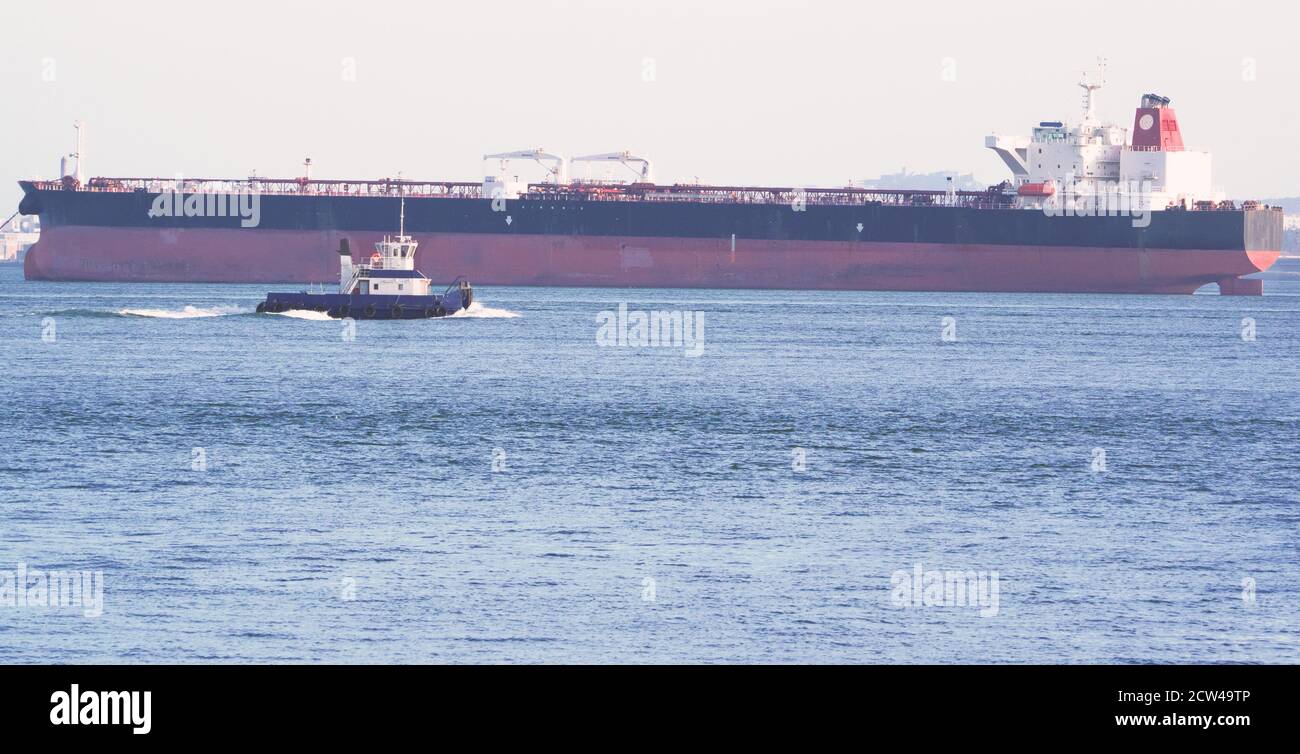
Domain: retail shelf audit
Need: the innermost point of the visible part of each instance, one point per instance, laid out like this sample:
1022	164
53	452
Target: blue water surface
494	488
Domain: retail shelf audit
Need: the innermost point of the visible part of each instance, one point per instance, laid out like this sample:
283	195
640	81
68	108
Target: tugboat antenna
401	219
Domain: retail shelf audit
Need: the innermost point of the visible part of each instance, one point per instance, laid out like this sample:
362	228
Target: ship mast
80	175
1089	92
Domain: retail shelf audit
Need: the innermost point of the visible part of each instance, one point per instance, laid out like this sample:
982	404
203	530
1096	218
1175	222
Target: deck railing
997	197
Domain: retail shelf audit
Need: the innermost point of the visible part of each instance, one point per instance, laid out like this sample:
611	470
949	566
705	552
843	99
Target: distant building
924	181
1290	222
16	237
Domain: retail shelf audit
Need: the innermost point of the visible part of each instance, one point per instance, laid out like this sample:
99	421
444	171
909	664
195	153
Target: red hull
273	256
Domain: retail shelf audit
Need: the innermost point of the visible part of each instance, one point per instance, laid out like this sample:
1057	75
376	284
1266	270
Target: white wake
189	312
307	314
478	310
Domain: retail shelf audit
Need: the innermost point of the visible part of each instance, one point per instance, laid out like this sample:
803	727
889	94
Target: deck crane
627	159
541	156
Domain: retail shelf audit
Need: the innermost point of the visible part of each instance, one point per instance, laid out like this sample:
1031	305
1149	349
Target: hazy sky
777	93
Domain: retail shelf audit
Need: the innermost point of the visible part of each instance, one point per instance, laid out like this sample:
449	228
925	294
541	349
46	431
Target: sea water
1113	477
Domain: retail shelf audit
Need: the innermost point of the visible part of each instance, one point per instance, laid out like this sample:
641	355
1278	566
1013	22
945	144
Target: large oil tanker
1086	209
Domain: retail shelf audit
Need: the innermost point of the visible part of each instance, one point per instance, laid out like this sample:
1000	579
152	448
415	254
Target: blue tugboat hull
368	306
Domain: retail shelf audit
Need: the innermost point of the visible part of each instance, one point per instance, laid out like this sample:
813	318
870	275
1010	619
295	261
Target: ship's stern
1262	240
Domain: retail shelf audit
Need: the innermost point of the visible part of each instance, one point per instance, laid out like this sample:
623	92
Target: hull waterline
219	255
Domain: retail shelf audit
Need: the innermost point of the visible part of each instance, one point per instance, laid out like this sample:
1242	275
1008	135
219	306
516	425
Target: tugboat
389	287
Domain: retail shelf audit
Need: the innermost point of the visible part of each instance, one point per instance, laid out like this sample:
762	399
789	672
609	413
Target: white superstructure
1062	163
391	269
